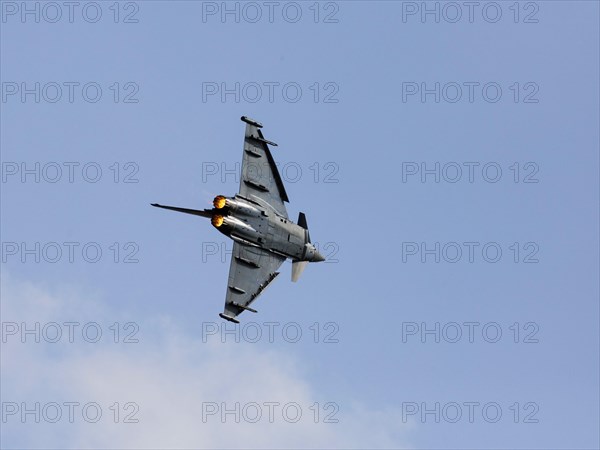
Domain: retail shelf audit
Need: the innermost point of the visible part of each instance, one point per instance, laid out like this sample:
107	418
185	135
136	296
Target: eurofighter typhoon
257	221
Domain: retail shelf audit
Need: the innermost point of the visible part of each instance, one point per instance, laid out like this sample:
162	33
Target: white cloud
169	375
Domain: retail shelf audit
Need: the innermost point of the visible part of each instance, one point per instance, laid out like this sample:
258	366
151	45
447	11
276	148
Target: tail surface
195	212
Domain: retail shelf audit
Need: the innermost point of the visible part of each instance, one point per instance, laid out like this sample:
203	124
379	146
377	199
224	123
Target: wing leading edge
260	179
251	270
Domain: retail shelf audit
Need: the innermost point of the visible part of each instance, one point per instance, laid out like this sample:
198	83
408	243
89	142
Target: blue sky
346	144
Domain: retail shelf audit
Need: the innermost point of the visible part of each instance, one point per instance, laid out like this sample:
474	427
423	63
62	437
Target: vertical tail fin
196	212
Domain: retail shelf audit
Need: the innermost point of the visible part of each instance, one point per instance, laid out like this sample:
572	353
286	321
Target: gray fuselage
258	224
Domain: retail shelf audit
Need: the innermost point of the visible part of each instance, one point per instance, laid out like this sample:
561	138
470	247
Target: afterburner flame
219	202
217	220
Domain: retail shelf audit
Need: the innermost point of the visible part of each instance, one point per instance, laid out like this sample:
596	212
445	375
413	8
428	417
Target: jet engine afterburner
219	202
236	205
232	225
217	220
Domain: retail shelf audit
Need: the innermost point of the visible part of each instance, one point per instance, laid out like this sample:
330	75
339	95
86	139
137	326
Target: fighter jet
257	221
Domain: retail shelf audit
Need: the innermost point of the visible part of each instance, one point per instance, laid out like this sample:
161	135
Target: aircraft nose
318	257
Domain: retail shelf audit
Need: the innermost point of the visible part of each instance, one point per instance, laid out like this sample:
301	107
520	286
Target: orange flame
219	201
217	220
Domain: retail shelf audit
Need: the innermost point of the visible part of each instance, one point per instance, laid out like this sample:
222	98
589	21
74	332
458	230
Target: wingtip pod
250	121
229	318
